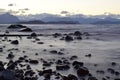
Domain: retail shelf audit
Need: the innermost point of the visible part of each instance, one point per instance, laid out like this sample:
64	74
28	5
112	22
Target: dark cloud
11	4
64	12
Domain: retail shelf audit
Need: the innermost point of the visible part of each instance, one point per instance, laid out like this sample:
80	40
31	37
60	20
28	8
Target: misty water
103	43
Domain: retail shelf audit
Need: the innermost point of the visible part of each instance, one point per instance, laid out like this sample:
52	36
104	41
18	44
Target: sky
89	7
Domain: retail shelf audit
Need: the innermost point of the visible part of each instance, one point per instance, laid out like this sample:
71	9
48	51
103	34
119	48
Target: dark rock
1	49
113	64
100	71
77	33
26	30
15	42
112	71
77	63
72	77
68	38
88	55
82	71
59	62
53	52
73	57
33	62
79	38
60	53
46	64
56	35
10	56
40	42
33	35
29	73
62	67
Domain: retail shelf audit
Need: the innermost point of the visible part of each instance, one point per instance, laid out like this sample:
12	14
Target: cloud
12	4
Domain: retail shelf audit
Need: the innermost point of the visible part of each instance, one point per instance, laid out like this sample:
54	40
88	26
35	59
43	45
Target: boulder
82	71
15	42
77	33
33	62
33	35
68	38
72	77
62	67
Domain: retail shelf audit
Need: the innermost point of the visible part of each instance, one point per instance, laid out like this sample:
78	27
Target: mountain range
46	18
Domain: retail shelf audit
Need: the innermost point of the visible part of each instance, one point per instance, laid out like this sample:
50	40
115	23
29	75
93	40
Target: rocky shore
27	58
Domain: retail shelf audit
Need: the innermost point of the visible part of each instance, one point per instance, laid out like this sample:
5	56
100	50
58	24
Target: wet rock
73	57
1	49
82	71
33	35
68	38
12	65
100	71
62	67
86	34
40	42
56	35
80	64
88	55
26	30
53	52
79	38
77	33
10	56
1	66
117	73
29	73
33	62
72	77
46	64
112	71
113	63
60	53
59	62
15	42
